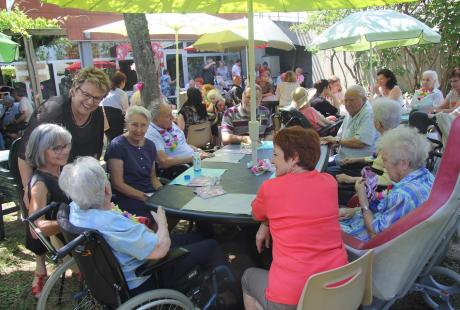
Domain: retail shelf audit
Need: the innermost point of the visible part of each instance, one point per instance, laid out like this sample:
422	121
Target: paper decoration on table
228	203
183	180
263	165
210	191
204	180
225	157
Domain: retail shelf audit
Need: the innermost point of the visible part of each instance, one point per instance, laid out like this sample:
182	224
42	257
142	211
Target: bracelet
365	208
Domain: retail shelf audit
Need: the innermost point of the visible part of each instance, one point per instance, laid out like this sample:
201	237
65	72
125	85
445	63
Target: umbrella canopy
8	49
234	34
214	7
374	29
223	6
98	64
183	24
173	23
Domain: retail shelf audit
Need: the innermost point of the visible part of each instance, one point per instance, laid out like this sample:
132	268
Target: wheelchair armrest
69	247
152	265
41	212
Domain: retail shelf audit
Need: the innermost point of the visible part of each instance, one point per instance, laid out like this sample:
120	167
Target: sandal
38	284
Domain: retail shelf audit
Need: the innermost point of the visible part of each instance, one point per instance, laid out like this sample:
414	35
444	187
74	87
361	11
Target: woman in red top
298	209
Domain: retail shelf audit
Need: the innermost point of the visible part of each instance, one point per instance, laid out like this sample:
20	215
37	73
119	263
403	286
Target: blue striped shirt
406	195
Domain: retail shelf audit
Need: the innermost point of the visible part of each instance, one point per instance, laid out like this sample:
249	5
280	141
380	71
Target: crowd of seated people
154	140
15	113
387	115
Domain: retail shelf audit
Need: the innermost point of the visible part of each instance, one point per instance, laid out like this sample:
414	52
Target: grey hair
359	90
434	76
387	112
405	143
137	110
42	138
155	107
84	182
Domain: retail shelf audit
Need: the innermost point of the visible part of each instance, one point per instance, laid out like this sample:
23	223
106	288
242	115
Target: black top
209	74
55	194
87	140
323	106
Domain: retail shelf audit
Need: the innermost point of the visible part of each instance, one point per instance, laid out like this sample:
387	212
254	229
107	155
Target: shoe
38	284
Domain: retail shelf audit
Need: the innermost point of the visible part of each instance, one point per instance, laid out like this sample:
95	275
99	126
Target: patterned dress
406	195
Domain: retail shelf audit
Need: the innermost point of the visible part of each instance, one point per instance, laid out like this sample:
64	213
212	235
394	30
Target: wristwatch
365	208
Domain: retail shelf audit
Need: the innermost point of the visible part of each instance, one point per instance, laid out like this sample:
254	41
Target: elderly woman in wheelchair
404	152
132	243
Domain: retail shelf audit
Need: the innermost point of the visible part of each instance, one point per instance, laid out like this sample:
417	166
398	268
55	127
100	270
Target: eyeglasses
88	96
58	149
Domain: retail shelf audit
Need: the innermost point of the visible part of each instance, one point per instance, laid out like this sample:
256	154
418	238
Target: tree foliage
18	22
407	62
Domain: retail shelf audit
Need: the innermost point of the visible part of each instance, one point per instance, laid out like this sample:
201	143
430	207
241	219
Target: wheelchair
429	127
100	283
289	117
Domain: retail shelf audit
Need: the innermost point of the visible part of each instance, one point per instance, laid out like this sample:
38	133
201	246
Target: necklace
85	123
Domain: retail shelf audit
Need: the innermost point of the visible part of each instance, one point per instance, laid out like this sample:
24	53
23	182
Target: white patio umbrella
168	24
374	29
234	34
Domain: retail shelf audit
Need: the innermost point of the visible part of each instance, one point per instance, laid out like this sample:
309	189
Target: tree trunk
146	67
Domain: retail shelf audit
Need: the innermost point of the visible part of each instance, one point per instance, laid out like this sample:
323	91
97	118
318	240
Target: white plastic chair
344	288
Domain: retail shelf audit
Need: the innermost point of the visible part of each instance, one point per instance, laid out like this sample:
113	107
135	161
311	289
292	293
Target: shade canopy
8	49
169	24
216	6
234	34
378	29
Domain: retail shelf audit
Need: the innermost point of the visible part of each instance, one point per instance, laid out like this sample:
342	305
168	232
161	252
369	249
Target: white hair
42	138
387	112
137	110
405	143
155	107
359	90
84	182
434	76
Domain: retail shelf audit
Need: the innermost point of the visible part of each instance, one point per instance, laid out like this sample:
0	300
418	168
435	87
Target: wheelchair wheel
61	292
444	291
158	299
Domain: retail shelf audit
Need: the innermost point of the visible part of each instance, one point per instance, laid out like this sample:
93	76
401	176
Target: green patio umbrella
8	49
223	6
374	29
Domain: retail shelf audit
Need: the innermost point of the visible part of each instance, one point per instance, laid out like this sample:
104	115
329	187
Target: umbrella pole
371	67
176	35
253	124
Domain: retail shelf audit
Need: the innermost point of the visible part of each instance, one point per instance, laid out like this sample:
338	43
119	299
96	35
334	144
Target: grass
17	265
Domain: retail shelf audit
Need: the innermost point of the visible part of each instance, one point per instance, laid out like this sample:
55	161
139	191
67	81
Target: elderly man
235	123
356	137
79	113
170	142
